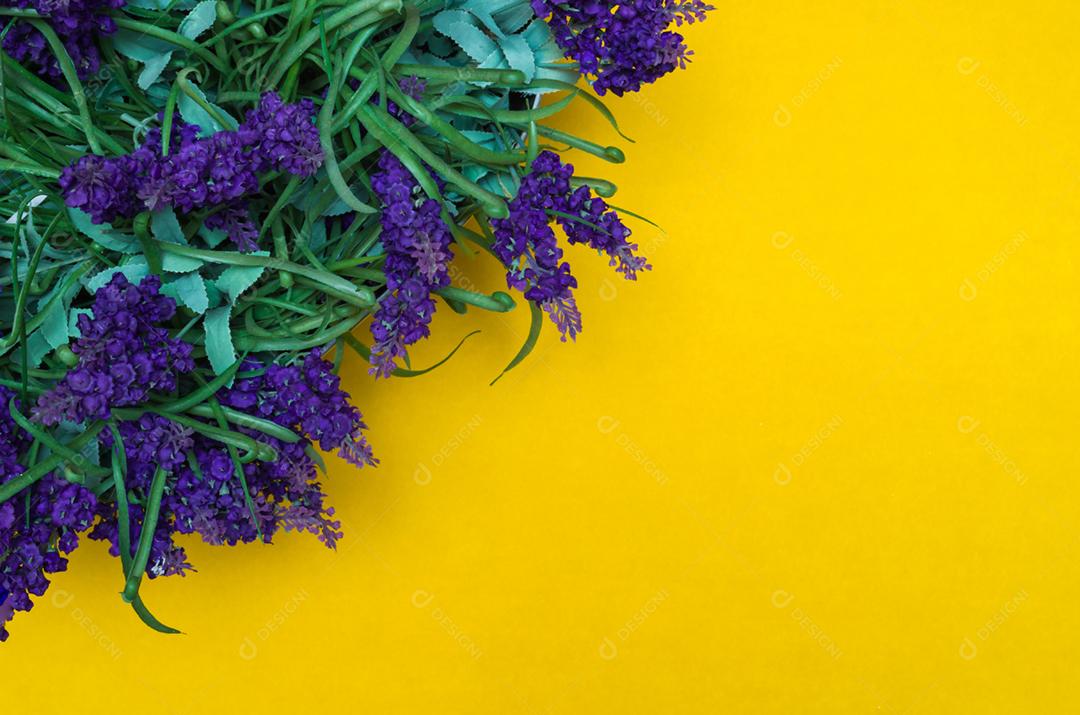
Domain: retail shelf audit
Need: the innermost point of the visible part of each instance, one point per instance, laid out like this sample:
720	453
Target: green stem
370	12
67	68
174	39
146	536
358	295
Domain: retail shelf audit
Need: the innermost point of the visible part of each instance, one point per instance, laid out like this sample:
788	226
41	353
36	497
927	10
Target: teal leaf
485	18
515	18
153	53
152	70
37	347
138	46
318	236
55	327
495	60
199	20
192	113
159	4
459	26
337	208
103	234
190	290
538	35
212	236
173	263
519	55
166	227
234	280
214	295
219	343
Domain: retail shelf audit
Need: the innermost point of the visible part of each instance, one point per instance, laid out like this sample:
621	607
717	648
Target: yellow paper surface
822	459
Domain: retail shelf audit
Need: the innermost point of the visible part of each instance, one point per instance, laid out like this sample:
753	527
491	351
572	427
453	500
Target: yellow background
822	459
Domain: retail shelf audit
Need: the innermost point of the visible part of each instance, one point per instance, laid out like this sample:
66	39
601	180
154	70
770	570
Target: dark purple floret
622	44
46	525
78	24
204	494
200	173
526	244
288	138
103	188
306	398
413	87
417	243
124	354
235	221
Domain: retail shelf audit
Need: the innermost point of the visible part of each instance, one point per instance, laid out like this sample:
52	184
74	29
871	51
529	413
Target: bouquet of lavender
205	200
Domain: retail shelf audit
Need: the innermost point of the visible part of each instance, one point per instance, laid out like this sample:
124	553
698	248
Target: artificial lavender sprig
78	24
417	244
212	172
124	354
526	243
624	44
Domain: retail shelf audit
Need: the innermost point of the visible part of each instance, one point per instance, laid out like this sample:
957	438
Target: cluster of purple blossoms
417	243
77	23
123	351
413	87
205	495
526	244
306	398
210	173
37	527
623	44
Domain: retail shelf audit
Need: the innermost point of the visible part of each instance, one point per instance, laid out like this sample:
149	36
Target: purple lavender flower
78	24
526	244
288	140
307	398
413	87
622	44
124	354
417	243
103	188
34	539
200	172
205	494
236	222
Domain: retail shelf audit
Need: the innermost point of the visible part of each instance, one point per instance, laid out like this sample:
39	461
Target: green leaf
234	280
337	208
37	347
214	295
189	289
103	234
192	113
519	55
530	341
212	236
138	46
152	70
199	20
166	227
153	53
55	327
459	26
514	18
219	343
173	263
150	4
